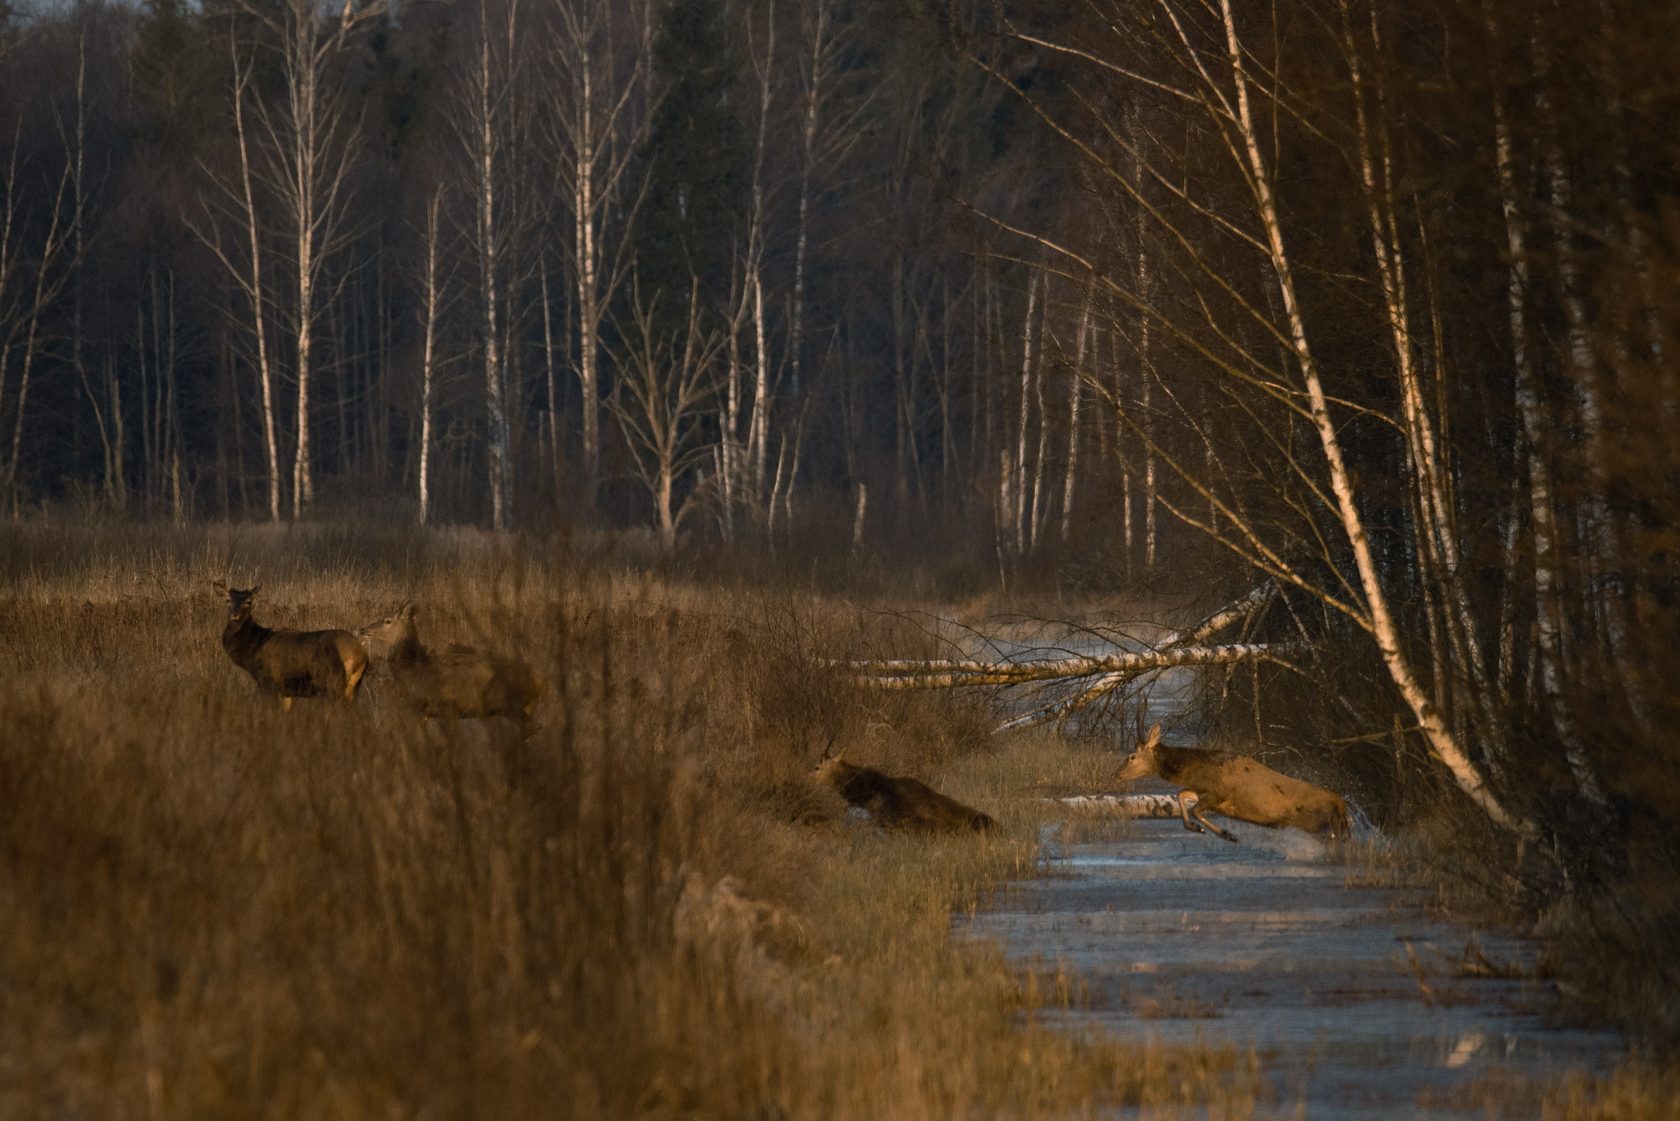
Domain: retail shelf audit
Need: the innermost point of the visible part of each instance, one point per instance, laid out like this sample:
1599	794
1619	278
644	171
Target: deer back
1244	788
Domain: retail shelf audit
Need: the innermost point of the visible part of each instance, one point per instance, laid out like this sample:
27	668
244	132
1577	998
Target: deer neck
407	651
242	639
1171	764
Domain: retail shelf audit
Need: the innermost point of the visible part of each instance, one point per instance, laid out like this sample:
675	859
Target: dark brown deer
897	802
454	683
1235	786
290	664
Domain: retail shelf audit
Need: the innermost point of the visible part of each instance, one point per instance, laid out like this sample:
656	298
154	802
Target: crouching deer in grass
290	664
457	682
897	802
1235	786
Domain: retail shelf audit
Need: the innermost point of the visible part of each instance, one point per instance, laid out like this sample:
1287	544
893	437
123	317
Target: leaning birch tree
1213	75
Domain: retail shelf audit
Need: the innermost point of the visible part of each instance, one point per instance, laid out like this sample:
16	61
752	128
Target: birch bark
1548	591
1378	616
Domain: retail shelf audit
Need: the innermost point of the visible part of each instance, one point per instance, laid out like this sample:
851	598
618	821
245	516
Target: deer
897	802
455	683
289	664
1235	786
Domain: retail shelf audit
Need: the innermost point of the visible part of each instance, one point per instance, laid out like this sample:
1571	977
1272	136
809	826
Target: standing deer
898	802
290	664
1235	786
457	682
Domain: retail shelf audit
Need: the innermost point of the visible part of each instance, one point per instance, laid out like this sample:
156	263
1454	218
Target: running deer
290	664
454	683
1235	786
897	802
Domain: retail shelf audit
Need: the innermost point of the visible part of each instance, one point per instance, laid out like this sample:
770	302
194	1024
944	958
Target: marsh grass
213	909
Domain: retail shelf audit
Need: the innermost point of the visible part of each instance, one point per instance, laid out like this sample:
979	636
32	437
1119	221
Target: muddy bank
1358	1002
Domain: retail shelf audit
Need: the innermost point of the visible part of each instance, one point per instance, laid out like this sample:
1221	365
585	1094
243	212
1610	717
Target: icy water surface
1360	1005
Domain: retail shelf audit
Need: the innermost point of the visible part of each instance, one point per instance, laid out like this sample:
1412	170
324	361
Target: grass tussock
213	909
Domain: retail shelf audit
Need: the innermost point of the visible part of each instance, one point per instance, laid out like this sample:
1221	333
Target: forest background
1363	303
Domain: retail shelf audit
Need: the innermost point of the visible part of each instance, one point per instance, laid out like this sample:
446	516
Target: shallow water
1355	1000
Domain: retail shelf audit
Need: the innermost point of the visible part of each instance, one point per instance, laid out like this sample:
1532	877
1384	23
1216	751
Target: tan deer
290	664
897	802
457	682
1235	786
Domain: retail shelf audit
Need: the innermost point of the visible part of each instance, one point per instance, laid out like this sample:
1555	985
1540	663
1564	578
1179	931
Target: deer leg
1186	800
285	704
1196	812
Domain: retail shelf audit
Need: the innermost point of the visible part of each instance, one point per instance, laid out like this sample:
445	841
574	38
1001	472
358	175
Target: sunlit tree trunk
430	306
601	55
485	124
1379	619
309	144
1548	589
1075	394
817	15
665	385
1016	512
240	199
1435	532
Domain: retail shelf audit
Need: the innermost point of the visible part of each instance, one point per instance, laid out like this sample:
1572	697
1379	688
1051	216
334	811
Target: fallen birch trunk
1119	805
946	674
1241	608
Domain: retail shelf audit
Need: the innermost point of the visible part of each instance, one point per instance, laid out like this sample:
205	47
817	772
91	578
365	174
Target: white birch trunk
758	423
586	265
1041	452
1547	585
601	55
1442	744
428	354
1017	510
254	291
818	11
1076	390
551	390
1436	537
759	438
729	442
1146	373
1602	591
486	150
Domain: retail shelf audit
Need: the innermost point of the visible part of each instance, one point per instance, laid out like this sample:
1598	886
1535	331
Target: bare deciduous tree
665	382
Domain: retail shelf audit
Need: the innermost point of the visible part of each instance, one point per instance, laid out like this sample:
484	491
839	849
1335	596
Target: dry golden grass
213	909
210	908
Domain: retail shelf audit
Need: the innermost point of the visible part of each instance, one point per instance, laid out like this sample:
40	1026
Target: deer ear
1154	736
221	588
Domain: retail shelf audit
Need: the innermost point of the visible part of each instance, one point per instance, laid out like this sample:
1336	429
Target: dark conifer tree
698	155
175	77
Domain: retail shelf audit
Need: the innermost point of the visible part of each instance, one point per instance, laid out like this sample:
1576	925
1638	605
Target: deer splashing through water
1234	786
